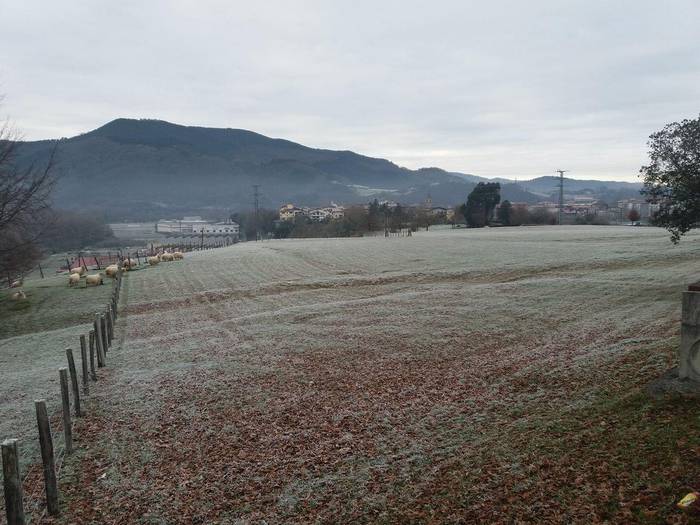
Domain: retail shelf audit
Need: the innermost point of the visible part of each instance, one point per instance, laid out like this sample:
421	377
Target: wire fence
56	443
55	434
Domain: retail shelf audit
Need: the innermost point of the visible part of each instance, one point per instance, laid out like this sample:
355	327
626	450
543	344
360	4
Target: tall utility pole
256	208
561	194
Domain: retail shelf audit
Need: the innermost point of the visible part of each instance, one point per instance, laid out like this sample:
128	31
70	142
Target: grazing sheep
153	260
178	256
73	279
112	270
165	256
80	270
17	284
129	264
93	280
19	295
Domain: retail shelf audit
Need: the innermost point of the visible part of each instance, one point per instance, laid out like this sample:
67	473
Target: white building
318	214
289	212
195	226
335	211
219	228
646	209
184	225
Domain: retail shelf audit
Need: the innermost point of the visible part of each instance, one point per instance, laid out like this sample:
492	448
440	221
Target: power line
256	208
561	193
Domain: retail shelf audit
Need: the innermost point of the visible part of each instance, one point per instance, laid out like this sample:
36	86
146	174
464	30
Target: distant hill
610	190
148	169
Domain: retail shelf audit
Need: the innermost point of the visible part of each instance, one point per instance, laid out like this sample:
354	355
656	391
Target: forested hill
147	169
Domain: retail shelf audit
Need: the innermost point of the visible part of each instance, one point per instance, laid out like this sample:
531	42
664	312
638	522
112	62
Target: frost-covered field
33	337
456	375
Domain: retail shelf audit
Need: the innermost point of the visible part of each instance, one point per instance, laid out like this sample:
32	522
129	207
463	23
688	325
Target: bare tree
24	203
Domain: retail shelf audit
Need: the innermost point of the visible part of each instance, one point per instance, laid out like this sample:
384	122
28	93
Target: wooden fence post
98	341
65	404
84	364
14	506
47	456
74	382
108	321
112	318
103	333
93	374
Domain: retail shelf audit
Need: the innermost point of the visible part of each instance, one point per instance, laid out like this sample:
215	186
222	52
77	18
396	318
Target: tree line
356	221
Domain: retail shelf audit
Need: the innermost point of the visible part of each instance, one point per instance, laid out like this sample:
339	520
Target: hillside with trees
147	169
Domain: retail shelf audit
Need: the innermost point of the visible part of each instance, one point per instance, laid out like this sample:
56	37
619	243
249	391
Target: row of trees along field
29	227
357	221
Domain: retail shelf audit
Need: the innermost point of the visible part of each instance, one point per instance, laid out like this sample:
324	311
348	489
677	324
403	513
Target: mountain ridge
148	168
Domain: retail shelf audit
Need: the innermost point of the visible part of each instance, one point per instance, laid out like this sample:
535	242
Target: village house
290	212
335	211
438	211
318	214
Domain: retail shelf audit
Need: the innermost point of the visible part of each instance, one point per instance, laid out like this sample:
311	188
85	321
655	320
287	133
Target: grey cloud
505	88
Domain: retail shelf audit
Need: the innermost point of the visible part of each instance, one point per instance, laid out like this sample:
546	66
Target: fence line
99	341
51	457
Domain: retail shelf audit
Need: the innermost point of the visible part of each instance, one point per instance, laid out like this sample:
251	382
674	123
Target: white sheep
178	256
93	280
165	257
80	270
129	264
153	260
73	279
19	295
112	270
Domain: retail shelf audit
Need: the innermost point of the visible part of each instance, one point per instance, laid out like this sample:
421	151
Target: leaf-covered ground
455	376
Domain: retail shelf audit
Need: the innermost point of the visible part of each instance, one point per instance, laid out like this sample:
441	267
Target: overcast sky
494	88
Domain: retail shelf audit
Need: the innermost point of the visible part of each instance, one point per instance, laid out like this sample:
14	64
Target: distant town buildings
195	225
576	208
290	212
585	206
645	209
223	228
184	225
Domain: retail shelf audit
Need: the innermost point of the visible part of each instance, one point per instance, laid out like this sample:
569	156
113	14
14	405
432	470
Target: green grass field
455	376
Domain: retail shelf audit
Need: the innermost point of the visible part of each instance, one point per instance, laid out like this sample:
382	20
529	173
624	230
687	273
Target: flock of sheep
127	264
95	279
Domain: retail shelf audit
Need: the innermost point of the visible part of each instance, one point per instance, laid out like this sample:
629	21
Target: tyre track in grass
276	288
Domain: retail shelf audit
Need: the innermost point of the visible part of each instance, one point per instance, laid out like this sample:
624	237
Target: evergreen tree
481	203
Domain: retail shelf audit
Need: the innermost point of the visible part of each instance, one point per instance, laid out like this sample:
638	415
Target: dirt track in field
250	385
